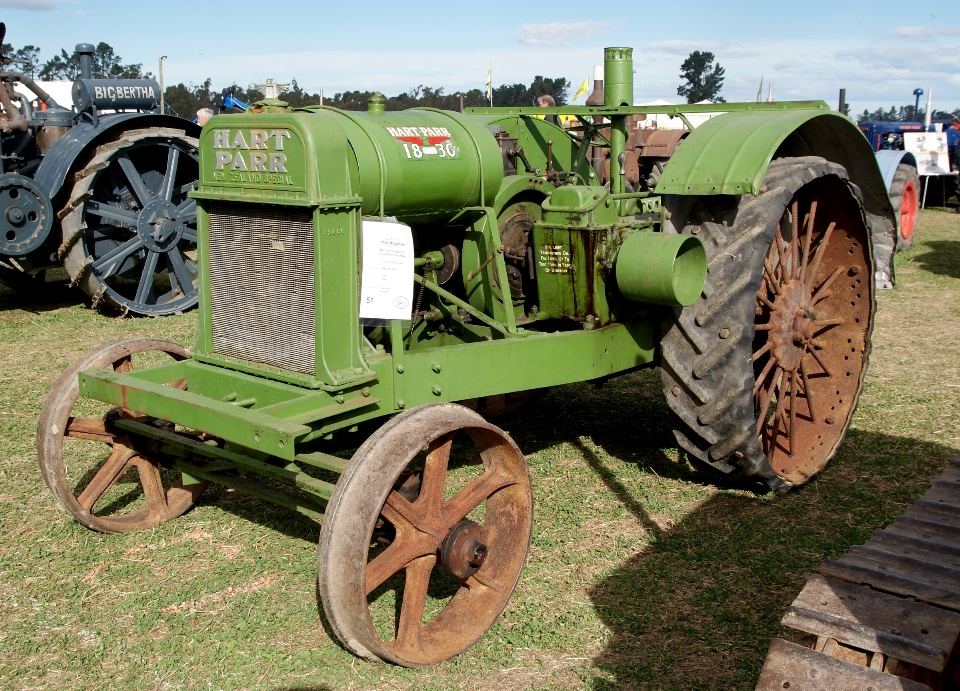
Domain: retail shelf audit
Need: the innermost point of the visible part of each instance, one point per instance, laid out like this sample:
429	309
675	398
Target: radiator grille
261	284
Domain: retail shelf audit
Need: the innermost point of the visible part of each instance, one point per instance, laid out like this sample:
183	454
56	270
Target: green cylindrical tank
420	165
661	269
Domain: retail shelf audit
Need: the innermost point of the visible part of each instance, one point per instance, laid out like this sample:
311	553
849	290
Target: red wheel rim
908	210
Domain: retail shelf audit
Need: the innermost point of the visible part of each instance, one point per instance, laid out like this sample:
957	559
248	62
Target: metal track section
261	284
887	613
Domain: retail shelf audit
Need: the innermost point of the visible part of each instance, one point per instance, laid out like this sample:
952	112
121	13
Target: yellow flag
581	91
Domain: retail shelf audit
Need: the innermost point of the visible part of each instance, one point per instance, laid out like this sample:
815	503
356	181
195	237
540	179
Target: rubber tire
715	422
903	175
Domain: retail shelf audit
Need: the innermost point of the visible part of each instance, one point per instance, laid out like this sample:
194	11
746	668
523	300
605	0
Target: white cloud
33	5
559	33
925	31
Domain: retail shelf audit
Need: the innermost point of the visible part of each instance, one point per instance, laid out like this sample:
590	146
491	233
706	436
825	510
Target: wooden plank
926	530
909	546
916	583
874	621
934	512
791	666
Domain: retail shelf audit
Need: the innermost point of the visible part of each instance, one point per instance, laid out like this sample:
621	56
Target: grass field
642	574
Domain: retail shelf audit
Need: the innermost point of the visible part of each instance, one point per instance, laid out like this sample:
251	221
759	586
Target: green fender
729	154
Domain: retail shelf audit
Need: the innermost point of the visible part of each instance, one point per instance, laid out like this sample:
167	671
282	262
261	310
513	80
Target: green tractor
380	281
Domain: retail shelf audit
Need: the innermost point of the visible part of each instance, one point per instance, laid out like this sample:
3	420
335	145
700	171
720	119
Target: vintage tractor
103	194
361	272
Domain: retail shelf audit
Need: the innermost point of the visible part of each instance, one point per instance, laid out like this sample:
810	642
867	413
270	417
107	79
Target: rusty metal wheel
813	316
419	551
97	474
764	371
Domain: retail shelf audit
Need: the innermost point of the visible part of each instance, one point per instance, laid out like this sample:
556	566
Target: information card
386	281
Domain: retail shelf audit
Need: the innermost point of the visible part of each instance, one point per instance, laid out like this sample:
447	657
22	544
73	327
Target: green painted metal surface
729	154
661	269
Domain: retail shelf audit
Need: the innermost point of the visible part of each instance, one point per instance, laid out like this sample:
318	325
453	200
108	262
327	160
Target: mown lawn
642	574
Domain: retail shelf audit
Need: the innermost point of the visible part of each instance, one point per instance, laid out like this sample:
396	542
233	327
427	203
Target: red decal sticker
437	140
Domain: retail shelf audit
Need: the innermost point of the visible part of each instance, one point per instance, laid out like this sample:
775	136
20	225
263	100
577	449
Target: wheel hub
792	325
159	225
464	550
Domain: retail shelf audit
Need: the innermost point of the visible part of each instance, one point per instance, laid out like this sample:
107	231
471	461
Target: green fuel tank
421	165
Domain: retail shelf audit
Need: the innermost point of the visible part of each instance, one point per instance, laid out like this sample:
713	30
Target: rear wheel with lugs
99	475
905	197
129	228
419	554
765	370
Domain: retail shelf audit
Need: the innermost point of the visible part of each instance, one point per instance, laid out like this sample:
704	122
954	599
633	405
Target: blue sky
879	51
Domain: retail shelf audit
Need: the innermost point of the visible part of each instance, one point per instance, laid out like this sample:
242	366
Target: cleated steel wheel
419	556
129	229
765	370
98	475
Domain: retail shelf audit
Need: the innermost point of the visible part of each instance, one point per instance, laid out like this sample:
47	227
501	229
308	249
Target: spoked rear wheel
130	230
99	475
445	544
765	370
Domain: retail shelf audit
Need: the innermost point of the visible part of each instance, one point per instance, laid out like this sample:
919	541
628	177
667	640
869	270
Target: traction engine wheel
765	370
96	473
129	229
460	542
905	196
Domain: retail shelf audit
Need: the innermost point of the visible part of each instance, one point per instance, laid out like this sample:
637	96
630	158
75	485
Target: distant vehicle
99	188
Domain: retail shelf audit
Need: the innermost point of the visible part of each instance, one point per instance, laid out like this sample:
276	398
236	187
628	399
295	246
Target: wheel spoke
415	587
765	348
188	207
408	518
806	249
112	212
779	243
152	485
822	293
765	405
807	393
124	365
771	279
108	264
818	257
106	477
793	410
795	239
189	235
89	428
763	375
821	324
435	474
816	357
166	188
179	269
136	182
146	278
765	301
467	499
400	553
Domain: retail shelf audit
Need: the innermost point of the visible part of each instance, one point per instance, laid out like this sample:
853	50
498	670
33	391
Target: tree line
905	114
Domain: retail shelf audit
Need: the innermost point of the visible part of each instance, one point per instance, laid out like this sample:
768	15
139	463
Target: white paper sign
930	150
386	280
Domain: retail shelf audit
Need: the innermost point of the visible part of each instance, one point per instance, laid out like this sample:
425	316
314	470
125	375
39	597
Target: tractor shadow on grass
36	296
942	259
697	608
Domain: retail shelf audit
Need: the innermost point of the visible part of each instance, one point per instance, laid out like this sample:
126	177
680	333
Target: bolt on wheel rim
814	314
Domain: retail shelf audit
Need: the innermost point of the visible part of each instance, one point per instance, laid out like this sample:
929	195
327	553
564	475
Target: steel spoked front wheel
131	229
419	554
99	475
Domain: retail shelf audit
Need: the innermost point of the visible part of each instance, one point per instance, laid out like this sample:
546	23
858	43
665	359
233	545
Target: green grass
643	574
